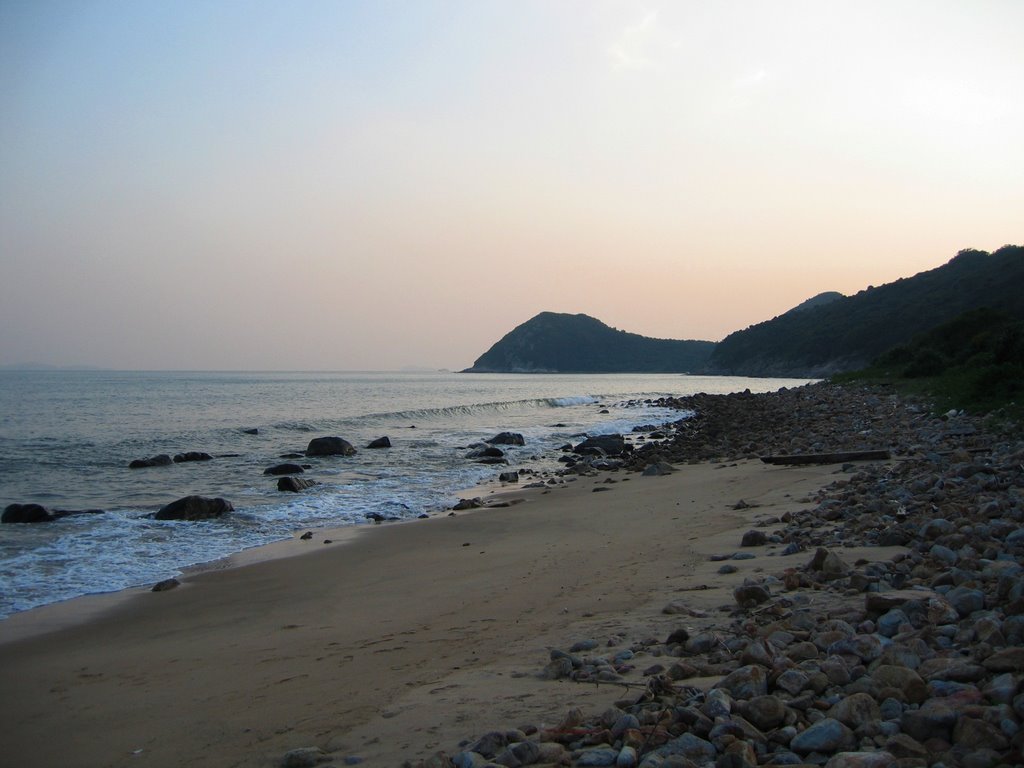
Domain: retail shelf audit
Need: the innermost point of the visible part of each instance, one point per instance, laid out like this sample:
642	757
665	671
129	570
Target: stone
746	682
914	689
294	484
856	710
903	745
603	445
658	469
749	595
518	754
602	756
284	469
827	735
828	564
165	585
974	733
765	712
509	477
329	446
754	538
506	438
1006	660
160	460
183	458
380	442
194	508
27	513
965	600
861	760
304	757
934	719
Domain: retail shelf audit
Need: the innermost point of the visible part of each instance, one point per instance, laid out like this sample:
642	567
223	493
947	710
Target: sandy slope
404	640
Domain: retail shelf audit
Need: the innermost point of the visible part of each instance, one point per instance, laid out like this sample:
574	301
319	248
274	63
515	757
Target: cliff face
561	343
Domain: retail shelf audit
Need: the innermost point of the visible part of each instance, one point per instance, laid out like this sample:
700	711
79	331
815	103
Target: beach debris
330	446
160	460
838	457
380	442
166	584
506	438
194	508
295	484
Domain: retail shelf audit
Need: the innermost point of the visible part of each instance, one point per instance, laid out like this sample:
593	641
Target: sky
350	185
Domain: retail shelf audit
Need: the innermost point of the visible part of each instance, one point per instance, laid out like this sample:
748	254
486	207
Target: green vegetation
849	332
974	362
552	342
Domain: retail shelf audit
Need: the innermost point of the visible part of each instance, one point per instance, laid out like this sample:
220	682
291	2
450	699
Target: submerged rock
330	446
295	484
380	442
506	438
160	460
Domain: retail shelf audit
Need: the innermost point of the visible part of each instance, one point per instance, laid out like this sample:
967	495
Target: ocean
67	437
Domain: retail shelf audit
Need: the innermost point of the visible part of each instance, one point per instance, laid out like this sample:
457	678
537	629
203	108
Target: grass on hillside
974	363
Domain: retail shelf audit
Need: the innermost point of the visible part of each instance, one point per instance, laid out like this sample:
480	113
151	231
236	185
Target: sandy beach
403	640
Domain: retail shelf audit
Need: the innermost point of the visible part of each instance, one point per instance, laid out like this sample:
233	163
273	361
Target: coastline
389	645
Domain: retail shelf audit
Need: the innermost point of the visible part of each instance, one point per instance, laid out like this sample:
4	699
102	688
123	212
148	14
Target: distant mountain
849	332
561	343
816	301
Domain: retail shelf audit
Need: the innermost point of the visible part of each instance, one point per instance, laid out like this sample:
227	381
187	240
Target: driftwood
828	458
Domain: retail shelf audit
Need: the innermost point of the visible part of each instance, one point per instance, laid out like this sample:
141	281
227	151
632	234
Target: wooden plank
840	457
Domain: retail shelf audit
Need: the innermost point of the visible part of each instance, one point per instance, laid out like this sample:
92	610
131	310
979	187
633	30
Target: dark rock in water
160	460
603	445
194	508
27	513
506	438
292	456
181	458
166	584
252	431
484	452
284	469
509	477
468	504
490	461
294	484
329	446
380	442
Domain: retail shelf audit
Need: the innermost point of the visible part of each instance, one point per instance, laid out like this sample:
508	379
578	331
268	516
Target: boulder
329	446
380	442
284	469
749	595
509	477
754	538
480	451
603	445
194	508
827	735
160	460
181	458
294	484
658	469
506	438
27	513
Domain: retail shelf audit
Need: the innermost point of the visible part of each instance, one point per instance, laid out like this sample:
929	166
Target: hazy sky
368	185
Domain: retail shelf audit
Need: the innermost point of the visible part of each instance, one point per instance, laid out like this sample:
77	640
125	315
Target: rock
518	754
467	504
861	760
828	564
329	446
856	710
160	460
602	445
877	603
166	584
745	682
973	733
509	477
827	735
27	513
182	458
965	600
481	451
766	712
601	756
380	442
294	484
194	508
506	438
657	469
754	538
905	680
748	595
935	719
284	469
251	431
304	757
1006	660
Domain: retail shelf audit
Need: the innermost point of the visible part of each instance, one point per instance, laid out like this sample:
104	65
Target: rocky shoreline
912	659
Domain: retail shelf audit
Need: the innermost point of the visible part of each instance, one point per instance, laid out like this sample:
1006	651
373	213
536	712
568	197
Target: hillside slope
561	343
848	333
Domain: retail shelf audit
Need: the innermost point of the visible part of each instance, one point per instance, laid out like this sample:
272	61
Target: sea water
67	437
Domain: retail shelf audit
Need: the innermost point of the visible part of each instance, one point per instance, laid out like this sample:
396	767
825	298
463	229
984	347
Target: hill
848	333
554	342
